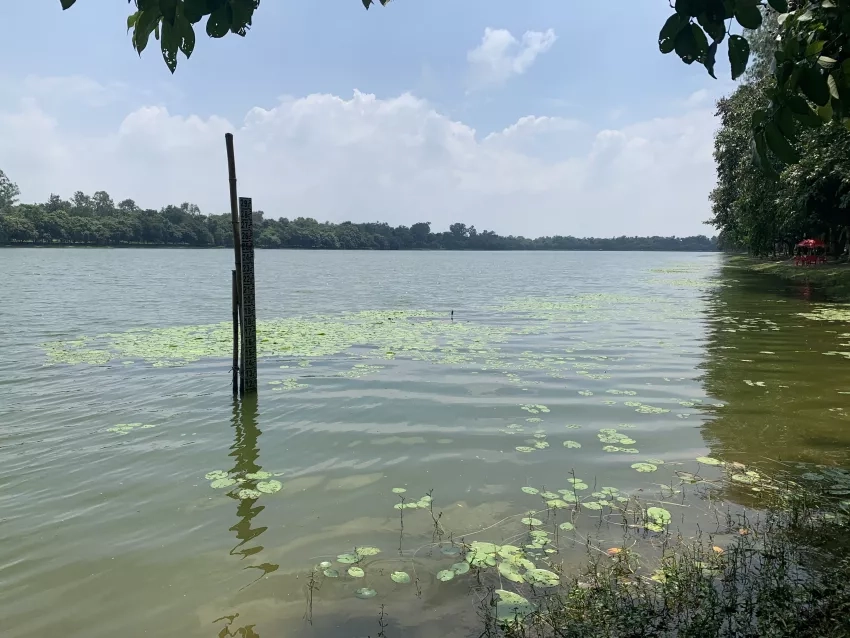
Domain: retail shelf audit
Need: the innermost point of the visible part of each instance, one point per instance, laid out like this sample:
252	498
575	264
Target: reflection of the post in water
245	453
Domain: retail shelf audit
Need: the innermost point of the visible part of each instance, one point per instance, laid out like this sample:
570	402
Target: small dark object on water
453	315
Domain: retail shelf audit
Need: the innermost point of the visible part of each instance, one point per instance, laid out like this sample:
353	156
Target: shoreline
833	279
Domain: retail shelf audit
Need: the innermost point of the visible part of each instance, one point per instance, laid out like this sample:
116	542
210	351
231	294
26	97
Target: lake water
367	383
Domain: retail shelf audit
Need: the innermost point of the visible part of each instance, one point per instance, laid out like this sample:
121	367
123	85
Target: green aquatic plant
542	578
531	522
356	572
269	487
585	393
402	578
331	573
221	483
445	575
216	474
398	490
247	494
566	527
348	559
708	460
572	444
365	593
460	568
366	551
644	467
258	476
524	448
530	490
657	519
126	428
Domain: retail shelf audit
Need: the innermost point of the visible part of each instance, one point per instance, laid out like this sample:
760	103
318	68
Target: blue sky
591	130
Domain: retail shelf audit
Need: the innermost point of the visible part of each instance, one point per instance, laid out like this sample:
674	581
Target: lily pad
445	575
258	476
659	516
531	490
542	578
549	495
365	592
325	564
557	503
247	494
541	445
485	548
743	478
567	527
215	475
508	571
533	522
572	444
592	505
356	572
331	573
222	482
460	568
450	550
644	467
348	559
399	490
708	460
366	551
402	578
524	448
269	487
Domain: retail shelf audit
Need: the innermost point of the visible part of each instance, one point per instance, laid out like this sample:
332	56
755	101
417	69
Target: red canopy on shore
811	243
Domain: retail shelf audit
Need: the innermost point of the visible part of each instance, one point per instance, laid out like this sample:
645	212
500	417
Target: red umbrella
811	243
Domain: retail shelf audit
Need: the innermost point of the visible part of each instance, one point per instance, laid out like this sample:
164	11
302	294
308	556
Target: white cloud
500	55
396	160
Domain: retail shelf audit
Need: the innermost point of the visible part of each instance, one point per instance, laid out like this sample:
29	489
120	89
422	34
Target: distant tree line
95	220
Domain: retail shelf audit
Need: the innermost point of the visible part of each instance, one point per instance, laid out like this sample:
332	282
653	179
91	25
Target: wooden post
249	310
234	292
237	249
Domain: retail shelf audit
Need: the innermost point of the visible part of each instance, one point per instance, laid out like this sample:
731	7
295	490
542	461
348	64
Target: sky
525	118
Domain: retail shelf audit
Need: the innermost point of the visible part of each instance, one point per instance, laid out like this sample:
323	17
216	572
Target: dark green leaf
131	20
243	11
690	8
814	85
779	5
169	10
701	42
67	4
739	55
747	14
814	48
760	157
194	10
825	112
218	23
169	43
758	118
146	23
711	59
803	112
187	36
687	47
714	28
671	28
784	119
366	3
779	145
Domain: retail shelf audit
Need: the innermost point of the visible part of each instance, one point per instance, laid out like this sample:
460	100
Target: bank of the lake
831	279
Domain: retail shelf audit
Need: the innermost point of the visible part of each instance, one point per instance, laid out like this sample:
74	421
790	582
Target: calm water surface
367	384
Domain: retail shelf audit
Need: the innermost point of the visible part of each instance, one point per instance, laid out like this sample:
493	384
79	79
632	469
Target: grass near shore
786	573
831	278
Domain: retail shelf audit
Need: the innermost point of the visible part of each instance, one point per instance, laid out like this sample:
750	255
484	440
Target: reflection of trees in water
767	365
245	453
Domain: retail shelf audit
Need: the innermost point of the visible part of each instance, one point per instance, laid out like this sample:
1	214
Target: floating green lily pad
542	578
450	550
524	448
445	575
215	475
399	490
366	551
348	559
592	505
356	572
365	592
509	572
644	467
557	503
658	517
549	495
572	444
402	578
258	476
531	521
324	564
531	490
708	460
269	487
222	482
566	527
460	568
331	573
247	494
541	445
